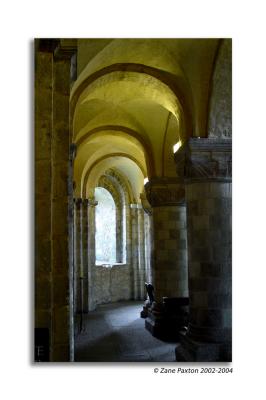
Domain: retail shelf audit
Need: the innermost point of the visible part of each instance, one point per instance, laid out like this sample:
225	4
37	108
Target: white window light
177	146
146	180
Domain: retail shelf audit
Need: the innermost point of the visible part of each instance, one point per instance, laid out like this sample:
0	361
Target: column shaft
77	255
141	253
134	251
169	262
61	324
209	240
85	256
206	165
91	254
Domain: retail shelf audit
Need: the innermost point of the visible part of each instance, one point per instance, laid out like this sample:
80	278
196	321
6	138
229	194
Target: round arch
127	133
178	86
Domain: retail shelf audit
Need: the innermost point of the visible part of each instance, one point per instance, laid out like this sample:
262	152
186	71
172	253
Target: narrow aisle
115	332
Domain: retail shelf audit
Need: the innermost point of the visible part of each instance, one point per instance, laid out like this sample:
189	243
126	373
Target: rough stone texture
220	107
53	294
61	334
43	179
209	239
170	252
207	174
104	283
112	283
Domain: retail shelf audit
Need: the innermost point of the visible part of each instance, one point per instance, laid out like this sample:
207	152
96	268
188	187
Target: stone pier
207	172
169	262
53	190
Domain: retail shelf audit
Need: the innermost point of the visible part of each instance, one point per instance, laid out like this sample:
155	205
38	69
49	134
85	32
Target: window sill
107	265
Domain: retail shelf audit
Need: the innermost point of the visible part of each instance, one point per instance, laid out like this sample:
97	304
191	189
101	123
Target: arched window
105	240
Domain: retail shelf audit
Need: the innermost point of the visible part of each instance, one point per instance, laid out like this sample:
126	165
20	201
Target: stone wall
112	283
220	106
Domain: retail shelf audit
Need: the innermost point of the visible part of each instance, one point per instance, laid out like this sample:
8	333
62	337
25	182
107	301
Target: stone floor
115	332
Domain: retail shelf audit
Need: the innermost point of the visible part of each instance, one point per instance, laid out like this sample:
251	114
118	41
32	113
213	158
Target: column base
192	350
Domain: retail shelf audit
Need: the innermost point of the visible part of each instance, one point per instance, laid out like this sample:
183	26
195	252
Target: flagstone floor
116	333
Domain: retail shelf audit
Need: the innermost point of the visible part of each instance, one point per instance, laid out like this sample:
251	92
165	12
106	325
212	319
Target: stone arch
123	130
85	180
178	86
120	197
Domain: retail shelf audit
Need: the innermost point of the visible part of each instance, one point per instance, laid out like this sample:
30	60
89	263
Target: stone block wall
209	239
112	283
170	251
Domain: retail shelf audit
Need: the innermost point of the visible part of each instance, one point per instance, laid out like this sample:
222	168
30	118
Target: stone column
141	253
43	181
170	238
85	255
134	250
206	165
77	255
61	263
91	254
148	236
169	261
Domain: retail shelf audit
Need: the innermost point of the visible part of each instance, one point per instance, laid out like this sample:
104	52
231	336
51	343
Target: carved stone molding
165	192
145	204
205	159
92	202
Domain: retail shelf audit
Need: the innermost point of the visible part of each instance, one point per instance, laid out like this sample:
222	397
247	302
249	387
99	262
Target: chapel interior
133	153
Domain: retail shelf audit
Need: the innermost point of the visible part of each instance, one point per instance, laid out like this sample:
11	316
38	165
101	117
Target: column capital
72	151
92	202
205	159
165	192
65	49
135	206
145	204
86	202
